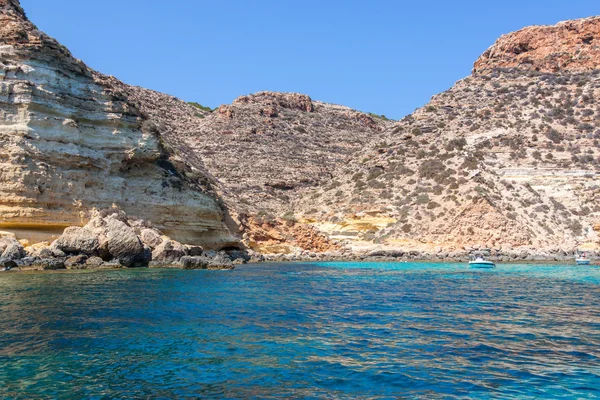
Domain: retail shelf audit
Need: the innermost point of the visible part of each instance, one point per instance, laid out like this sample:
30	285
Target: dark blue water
303	330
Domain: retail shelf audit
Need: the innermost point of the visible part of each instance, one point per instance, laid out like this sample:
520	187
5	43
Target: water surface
330	330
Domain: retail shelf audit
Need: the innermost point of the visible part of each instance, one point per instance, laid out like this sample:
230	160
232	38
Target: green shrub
422	199
200	106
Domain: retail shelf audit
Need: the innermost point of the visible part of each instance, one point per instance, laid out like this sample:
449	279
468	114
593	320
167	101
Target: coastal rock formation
72	141
503	160
570	46
112	240
506	160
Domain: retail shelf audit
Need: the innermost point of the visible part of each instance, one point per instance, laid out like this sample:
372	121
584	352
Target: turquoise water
332	330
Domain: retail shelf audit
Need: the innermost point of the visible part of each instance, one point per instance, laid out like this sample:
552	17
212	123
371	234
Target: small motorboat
583	260
480	262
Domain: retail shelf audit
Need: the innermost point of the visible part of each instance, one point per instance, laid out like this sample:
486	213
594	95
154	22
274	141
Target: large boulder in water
109	237
76	240
221	261
123	244
194	262
11	249
169	251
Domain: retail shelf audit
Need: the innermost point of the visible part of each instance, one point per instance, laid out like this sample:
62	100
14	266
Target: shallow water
331	330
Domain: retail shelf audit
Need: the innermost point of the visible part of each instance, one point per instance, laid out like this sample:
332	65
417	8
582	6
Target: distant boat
583	260
480	262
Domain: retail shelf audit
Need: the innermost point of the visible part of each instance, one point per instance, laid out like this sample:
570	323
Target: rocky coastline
514	256
111	240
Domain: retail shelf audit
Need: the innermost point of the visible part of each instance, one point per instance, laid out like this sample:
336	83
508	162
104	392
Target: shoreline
566	263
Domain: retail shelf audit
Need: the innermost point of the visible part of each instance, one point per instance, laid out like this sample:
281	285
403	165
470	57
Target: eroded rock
76	240
169	251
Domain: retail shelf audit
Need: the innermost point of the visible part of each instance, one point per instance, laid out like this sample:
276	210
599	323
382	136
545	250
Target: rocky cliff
570	46
72	140
506	159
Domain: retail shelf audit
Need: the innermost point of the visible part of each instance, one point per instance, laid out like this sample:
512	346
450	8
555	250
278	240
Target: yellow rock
588	246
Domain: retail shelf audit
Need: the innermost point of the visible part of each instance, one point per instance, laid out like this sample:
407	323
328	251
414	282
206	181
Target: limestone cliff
72	140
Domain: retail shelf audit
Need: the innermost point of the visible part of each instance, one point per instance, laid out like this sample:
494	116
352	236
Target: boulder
195	251
51	264
94	262
151	237
28	261
41	250
57	253
221	261
194	262
76	262
114	264
11	249
169	251
6	263
123	243
76	240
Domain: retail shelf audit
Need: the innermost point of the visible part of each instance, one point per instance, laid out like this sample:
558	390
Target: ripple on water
334	330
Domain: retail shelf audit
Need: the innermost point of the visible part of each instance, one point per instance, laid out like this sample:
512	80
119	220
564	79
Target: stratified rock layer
72	140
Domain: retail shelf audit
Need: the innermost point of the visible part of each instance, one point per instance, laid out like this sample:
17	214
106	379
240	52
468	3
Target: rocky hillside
570	46
73	140
506	159
265	153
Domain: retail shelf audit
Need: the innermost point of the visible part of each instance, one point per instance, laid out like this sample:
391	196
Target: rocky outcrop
11	249
112	240
110	237
169	252
73	140
570	46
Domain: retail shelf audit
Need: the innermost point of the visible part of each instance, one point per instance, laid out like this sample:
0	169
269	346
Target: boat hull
482	264
582	262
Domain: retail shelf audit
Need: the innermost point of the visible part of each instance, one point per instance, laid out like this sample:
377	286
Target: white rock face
72	142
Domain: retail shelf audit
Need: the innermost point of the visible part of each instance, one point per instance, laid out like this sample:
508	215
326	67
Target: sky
382	56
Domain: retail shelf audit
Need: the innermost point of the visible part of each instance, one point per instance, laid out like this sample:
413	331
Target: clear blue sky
382	56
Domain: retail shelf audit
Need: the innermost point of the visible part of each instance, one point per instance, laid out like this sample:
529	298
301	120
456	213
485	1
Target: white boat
583	260
480	262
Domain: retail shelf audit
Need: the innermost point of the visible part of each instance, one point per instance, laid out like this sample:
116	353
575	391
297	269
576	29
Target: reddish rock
570	46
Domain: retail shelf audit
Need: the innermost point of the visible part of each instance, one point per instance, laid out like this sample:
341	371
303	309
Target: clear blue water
333	330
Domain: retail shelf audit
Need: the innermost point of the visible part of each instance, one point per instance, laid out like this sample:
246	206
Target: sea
303	330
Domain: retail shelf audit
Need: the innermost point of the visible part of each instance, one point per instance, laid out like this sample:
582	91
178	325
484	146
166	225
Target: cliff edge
569	46
73	140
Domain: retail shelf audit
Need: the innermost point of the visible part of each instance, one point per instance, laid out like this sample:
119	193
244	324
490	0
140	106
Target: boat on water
481	262
583	260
